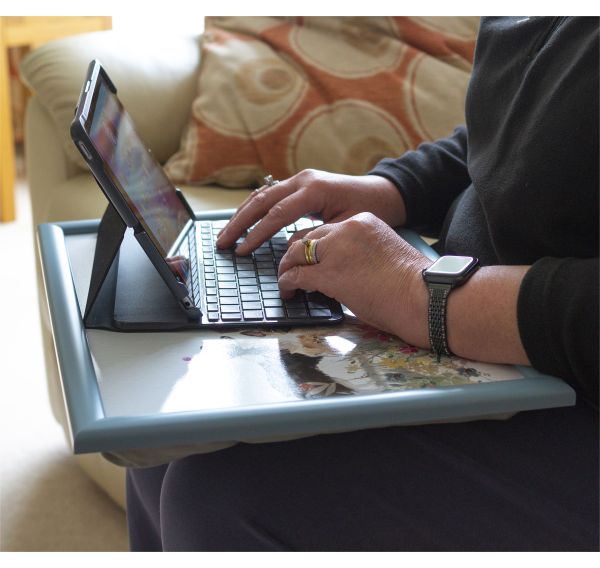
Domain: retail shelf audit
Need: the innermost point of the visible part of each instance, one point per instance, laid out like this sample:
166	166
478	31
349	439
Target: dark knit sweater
519	184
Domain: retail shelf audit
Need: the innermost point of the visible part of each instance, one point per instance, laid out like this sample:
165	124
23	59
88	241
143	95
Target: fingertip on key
241	249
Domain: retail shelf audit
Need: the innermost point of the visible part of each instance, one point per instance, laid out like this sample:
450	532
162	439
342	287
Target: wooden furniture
30	31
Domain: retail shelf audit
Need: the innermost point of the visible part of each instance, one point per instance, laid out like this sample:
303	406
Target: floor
47	503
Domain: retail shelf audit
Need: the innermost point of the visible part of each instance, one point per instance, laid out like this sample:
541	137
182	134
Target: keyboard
245	289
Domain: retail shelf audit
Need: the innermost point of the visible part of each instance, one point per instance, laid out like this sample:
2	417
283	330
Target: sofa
157	82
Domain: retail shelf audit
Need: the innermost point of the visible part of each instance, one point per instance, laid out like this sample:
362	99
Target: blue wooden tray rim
92	430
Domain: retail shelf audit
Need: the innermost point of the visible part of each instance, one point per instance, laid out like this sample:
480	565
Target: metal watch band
438	295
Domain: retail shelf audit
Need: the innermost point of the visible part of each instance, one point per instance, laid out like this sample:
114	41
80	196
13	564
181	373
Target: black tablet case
126	291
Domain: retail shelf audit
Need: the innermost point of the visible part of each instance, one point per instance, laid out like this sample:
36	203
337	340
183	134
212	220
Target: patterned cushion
281	94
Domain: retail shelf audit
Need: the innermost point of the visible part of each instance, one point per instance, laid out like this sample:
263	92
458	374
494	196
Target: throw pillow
281	94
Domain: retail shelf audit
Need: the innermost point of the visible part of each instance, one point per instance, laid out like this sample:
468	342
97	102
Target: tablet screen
138	176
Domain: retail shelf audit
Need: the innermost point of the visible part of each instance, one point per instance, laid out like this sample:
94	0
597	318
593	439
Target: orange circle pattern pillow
281	94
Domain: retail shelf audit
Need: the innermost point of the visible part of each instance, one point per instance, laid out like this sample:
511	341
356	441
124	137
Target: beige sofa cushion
80	198
279	94
159	83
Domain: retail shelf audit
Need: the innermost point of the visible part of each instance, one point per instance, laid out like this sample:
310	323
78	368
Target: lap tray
146	398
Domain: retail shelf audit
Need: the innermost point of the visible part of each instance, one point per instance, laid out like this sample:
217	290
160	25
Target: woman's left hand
365	265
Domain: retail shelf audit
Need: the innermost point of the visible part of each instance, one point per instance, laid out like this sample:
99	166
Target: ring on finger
268	182
310	250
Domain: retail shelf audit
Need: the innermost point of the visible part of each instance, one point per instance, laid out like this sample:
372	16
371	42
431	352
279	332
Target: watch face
450	266
450	271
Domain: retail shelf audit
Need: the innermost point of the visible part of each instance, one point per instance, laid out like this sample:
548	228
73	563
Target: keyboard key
271	294
210	276
225	269
213	316
273	303
250	298
267	279
209	268
297	312
244	260
253	314
297	298
326	313
304	223
264	264
226	277
229	309
252	306
249	289
230	301
246	274
212	300
212	291
274	313
227	285
269	286
317	305
266	271
224	262
219	224
231	317
247	281
228	293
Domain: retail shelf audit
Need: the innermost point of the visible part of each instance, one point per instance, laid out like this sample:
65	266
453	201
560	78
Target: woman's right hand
335	197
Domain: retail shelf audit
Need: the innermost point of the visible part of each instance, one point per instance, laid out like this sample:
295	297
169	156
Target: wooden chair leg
7	149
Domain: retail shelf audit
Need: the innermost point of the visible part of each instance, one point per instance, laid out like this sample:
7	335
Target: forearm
481	321
429	178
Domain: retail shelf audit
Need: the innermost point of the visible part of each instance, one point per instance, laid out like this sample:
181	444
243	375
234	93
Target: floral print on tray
354	358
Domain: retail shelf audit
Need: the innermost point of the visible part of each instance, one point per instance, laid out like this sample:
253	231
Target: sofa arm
156	81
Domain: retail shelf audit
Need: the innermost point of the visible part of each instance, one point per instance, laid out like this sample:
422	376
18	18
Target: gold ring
310	251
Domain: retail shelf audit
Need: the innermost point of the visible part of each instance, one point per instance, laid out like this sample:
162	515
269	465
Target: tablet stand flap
100	301
126	290
142	300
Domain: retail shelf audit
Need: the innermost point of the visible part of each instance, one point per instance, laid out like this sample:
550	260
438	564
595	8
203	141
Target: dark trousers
528	483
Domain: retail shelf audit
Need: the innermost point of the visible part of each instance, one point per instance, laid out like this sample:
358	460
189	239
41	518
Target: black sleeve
558	320
429	178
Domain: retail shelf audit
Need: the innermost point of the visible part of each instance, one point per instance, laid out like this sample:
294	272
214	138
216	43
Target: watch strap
438	297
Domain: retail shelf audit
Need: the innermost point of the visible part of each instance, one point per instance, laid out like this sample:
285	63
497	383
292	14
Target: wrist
413	301
389	200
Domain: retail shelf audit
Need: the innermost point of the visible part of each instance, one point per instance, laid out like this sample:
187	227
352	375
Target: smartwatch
446	273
